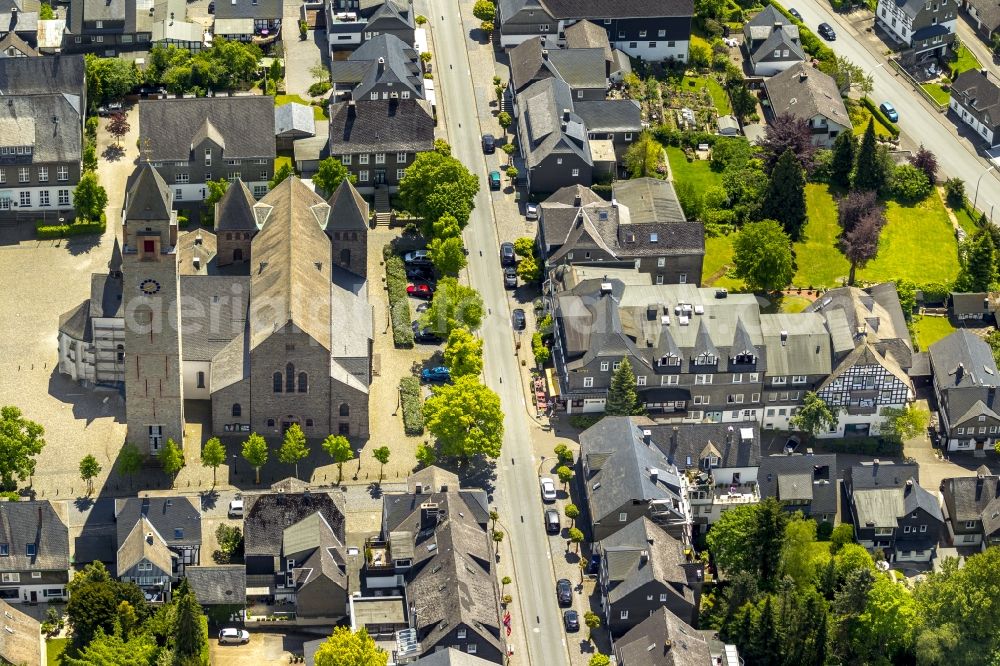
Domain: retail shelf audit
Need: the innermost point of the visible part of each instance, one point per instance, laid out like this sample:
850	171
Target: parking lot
263	649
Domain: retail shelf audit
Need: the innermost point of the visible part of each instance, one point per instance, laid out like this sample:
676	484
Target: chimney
643	557
605	288
784	338
654	474
198	239
197	263
979	491
729	435
577	200
647	437
565	115
909	487
778	26
545	54
149	538
959	373
381	66
803	75
985	73
673	437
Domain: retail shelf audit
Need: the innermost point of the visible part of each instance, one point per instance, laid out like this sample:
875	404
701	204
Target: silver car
548	489
234	636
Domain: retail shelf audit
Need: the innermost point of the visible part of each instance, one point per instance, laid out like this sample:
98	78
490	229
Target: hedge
811	44
413	406
399	304
51	231
880	117
867	446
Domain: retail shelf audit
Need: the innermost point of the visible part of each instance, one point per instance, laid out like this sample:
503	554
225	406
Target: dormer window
744	357
653	238
30	549
4	550
669	359
705	359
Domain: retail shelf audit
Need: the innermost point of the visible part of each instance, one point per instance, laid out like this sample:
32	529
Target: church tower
348	228
154	394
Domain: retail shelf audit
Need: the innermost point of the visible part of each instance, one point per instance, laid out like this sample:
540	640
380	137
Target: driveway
263	648
301	55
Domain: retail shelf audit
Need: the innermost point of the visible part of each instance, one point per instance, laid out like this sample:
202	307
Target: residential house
772	42
798	352
973	307
925	28
157	538
520	20
628	478
384	67
892	512
806	483
872	353
616	120
34	553
12	46
438	543
644	569
19	18
975	98
292	122
965	386
971	506
450	656
984	16
808	94
664	639
349	23
219	588
294	553
643	226
588	35
111	27
552	138
245	19
584	69
22	641
41	135
377	139
192	141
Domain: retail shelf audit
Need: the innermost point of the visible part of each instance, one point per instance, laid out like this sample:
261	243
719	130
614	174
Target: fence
940	108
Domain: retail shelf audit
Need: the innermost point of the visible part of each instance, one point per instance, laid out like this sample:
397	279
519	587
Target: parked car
794	12
420	291
110	109
419	272
436	374
594	564
890	111
507	256
792	444
418	257
518	319
423	307
571	620
826	32
510	277
233	636
552	524
564	592
489	144
494	180
425	334
548	489
236	507
531	211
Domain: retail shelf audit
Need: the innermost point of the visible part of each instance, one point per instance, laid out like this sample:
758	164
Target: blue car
438	374
890	111
494	180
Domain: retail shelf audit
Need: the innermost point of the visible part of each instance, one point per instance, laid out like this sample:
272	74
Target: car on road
233	636
507	256
518	320
489	144
417	257
236	507
826	32
531	211
424	291
548	489
794	12
510	277
890	111
437	374
494	180
552	524
571	620
564	591
425	334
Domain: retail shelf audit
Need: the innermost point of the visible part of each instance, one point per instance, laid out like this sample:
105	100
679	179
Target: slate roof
883	493
314	535
450	657
234	211
105	296
967	497
610	115
166	514
35	76
218	585
865	476
244	126
622	553
737	444
579	67
196	251
646	644
51	123
965	349
142	541
11	40
987	12
254	9
215	313
294	119
857	316
432	479
76	322
779	40
147	196
584	9
800	477
389	126
348	209
983	303
269	513
20	641
34	522
762	25
653	200
543	105
588	35
805	92
400	67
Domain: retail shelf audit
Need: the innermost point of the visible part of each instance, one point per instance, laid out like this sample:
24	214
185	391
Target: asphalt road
916	119
516	495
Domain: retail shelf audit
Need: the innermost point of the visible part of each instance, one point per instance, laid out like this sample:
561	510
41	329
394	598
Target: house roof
589	35
642	552
175	518
242	126
650	200
294	119
968	496
857	316
963	360
62	74
987	12
797	478
384	60
215	314
348	209
11	40
450	657
610	115
142	541
974	303
762	25
76	322
780	40
105	295
147	196
234	211
21	640
547	124
314	535
884	492
579	67
737	444
50	123
584	9
805	92
393	125
269	513
663	639
218	585
871	475
252	9
34	522
432	479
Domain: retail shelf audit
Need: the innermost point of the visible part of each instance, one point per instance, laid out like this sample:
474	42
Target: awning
553	384
259	591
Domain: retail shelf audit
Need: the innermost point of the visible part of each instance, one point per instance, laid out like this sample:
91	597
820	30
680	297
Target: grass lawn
819	261
928	330
281	100
967	221
719	257
698	172
715	89
791	304
917	243
937	92
860	117
53	650
964	60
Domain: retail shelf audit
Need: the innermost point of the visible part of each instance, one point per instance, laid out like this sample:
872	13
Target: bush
584	421
954	192
909	184
51	231
92	124
880	117
319	88
823	530
413	406
539	349
399	304
934	292
867	446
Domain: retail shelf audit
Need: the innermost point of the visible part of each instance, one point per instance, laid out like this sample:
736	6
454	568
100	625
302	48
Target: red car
420	291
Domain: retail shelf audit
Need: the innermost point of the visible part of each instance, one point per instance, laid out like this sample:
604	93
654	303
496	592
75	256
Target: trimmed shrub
934	292
399	304
909	184
82	228
880	117
319	88
413	406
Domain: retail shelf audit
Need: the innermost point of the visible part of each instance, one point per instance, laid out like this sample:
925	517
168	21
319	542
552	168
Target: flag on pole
508	630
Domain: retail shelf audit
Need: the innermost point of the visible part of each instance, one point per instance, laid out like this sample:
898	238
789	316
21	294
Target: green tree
842	534
280	174
909	184
89	198
463	353
785	198
599	659
255	453
529	269
904	422
94	600
129	461
113	650
487	27
426	454
454	305
484	10
45	12
20	441
89	469
213	454
868	174
446	226
564	454
339	448
575	537
623	400
565	475
593	621
172	460
524	247
109	79
762	256
230	540
572	512
330	174
442	147
348	648
188	637
890	617
447	254
643	156
505	120
293	447
852	557
539	349
749	539
118	126
797	555
815	416
89	156
436	184
844	148
979	265
215	190
466	418
382	456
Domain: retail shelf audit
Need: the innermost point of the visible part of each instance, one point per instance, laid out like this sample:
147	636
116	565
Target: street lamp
540	463
976	198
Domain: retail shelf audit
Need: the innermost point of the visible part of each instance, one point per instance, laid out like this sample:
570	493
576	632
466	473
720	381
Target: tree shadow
113	152
375	490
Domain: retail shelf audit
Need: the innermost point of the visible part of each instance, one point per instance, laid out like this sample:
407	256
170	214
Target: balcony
377	554
706	492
